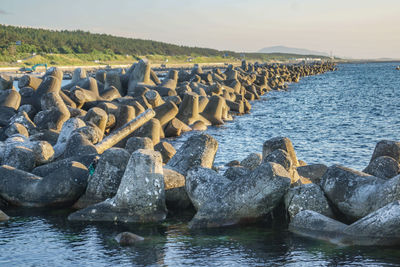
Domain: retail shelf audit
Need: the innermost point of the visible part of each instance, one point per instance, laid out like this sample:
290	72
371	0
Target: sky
347	28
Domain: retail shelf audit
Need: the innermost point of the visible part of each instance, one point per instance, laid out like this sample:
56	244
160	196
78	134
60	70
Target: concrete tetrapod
106	178
307	197
222	202
140	196
119	134
283	143
61	187
29	81
198	150
357	194
54	112
189	109
213	110
139	75
380	228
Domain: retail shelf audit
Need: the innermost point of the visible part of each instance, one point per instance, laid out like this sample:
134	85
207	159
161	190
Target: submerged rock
3	217
128	239
140	196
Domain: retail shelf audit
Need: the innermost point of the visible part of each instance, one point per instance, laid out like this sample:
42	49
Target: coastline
173	106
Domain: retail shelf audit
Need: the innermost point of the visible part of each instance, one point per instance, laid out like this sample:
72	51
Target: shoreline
111	128
114	134
215	109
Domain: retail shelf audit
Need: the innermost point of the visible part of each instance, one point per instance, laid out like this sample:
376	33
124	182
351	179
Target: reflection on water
333	118
45	238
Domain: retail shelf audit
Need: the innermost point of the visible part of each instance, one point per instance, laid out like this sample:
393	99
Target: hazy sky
349	28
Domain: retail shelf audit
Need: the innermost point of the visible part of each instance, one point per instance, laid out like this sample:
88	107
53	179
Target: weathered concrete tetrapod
140	196
189	108
29	81
124	131
213	110
166	112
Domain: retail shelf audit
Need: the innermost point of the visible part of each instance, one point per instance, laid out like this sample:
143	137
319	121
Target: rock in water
128	239
221	202
356	194
283	143
312	224
140	196
387	148
61	187
307	197
198	150
106	178
314	172
383	167
380	228
3	217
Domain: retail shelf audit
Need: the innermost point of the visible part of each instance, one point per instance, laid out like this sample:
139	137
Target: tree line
22	40
30	40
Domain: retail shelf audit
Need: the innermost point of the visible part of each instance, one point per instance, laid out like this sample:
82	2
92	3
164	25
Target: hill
28	46
33	40
291	50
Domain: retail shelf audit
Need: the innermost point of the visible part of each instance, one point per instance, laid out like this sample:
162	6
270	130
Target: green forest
74	47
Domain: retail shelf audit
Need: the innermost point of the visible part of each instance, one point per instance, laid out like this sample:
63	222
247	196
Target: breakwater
291	249
51	131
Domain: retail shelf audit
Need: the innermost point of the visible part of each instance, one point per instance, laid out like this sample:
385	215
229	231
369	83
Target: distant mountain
291	50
